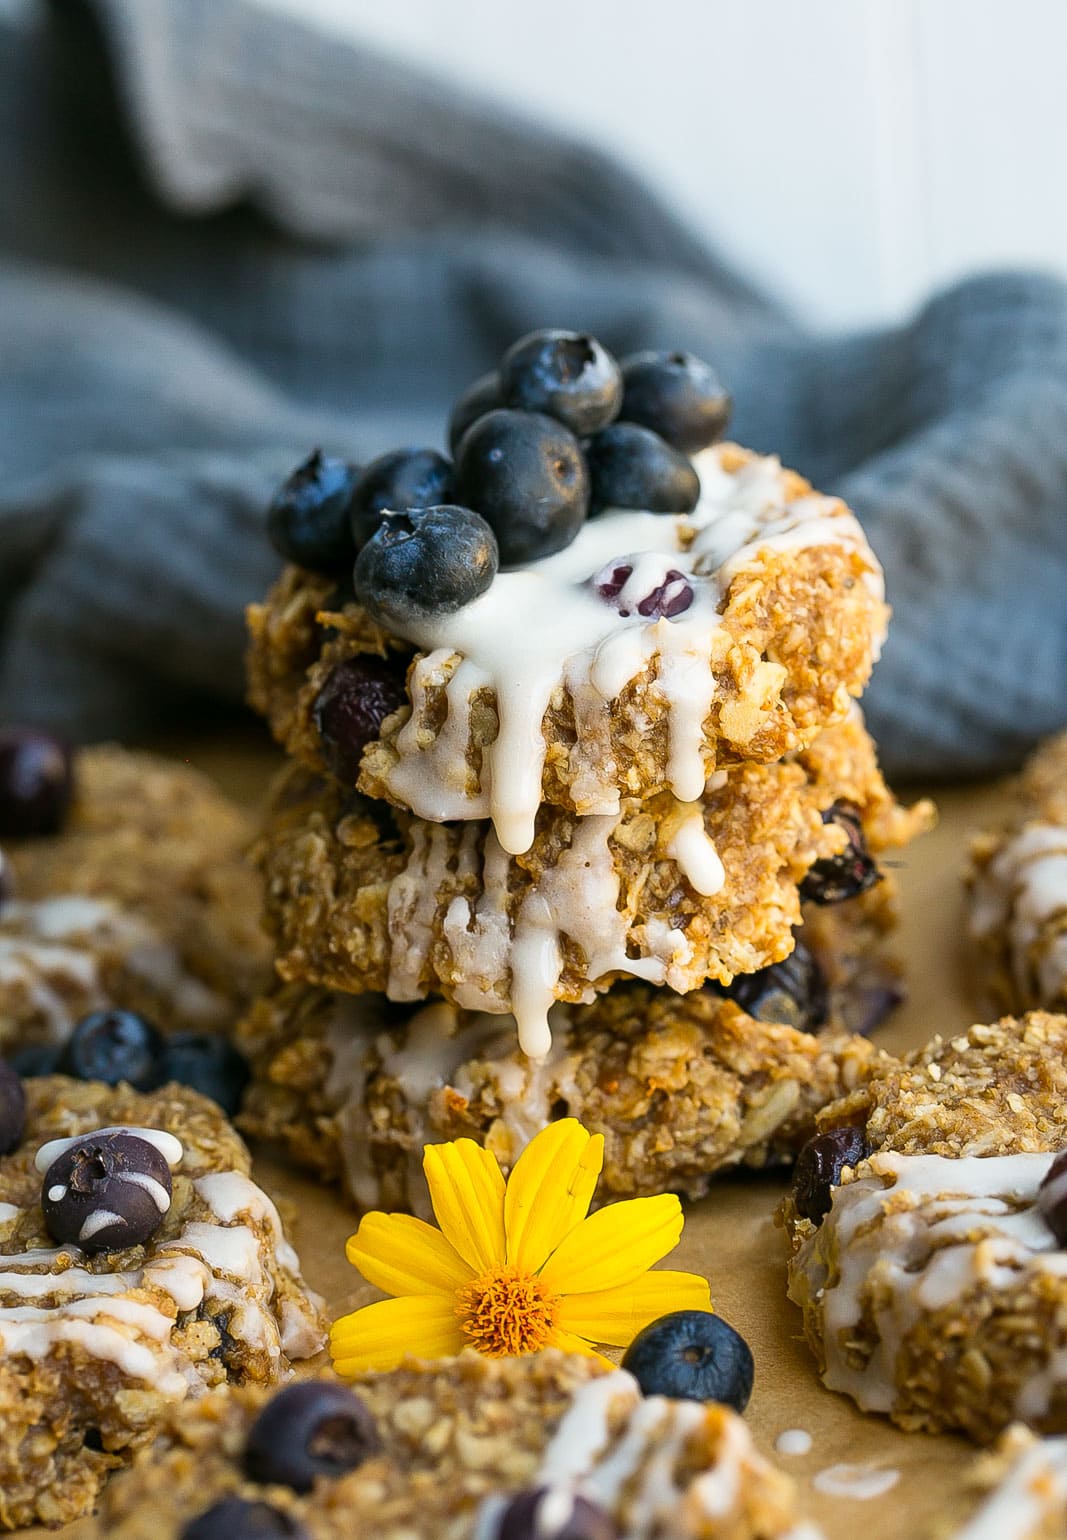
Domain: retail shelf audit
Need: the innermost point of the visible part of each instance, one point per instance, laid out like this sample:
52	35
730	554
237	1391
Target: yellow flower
515	1266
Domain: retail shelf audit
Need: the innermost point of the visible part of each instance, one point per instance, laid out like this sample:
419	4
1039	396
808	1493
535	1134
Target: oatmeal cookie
651	650
450	1445
143	900
928	1233
97	1345
360	897
1018	891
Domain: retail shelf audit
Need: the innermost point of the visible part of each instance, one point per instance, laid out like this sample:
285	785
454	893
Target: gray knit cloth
225	238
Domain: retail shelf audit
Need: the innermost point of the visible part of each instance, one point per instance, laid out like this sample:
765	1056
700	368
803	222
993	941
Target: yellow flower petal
568	1342
381	1335
616	1315
615	1245
402	1255
467	1192
549	1191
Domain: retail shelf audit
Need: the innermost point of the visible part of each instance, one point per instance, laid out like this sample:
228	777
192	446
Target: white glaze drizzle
860	1482
169	1147
542	627
912	1235
793	1442
513	963
1019	892
1031	1500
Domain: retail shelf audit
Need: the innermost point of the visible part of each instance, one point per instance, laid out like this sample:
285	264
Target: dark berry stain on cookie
106	1192
848	873
819	1167
668	596
36	782
792	992
307	1431
359	693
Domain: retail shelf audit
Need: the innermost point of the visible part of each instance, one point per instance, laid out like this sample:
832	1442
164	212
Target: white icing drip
1031	1499
169	1147
155	1190
502	963
99	1219
793	1441
543	626
913	1235
1022	889
696	855
8	1212
862	1482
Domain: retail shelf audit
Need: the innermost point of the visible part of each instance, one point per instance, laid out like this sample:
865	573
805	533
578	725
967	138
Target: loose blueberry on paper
692	1356
106	1192
566	375
238	1518
678	396
426	562
845	875
115	1046
317	1428
308	521
819	1167
12	1108
396	482
359	693
36	782
552	1513
525	474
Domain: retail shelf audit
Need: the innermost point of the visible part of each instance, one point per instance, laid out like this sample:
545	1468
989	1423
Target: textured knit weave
225	237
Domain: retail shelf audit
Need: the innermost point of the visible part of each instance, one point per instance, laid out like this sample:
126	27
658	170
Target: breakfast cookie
140	1266
1017	1490
466	1448
361	897
1018	890
648	650
928	1225
140	898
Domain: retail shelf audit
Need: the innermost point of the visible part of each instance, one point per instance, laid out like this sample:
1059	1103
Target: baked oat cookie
97	1345
1018	890
361	898
649	651
143	900
448	1446
928	1233
1017	1491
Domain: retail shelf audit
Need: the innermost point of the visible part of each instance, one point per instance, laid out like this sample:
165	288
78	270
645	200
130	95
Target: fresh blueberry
395	482
525	474
1052	1198
662	598
676	395
819	1167
692	1355
359	693
113	1046
12	1108
792	992
36	1059
106	1192
567	375
237	1518
36	782
312	1429
632	467
308	520
424	563
553	1513
206	1062
481	397
850	872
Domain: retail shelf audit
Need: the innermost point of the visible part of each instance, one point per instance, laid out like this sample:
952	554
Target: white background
852	153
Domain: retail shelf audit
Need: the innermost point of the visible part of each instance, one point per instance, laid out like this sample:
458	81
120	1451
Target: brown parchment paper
730	1236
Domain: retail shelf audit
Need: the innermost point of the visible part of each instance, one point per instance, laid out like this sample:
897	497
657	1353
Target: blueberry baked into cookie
468	1448
140	1266
928	1222
123	882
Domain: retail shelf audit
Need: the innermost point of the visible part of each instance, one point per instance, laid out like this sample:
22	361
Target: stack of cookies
581	816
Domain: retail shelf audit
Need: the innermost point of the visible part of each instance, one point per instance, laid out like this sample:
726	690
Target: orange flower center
505	1313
